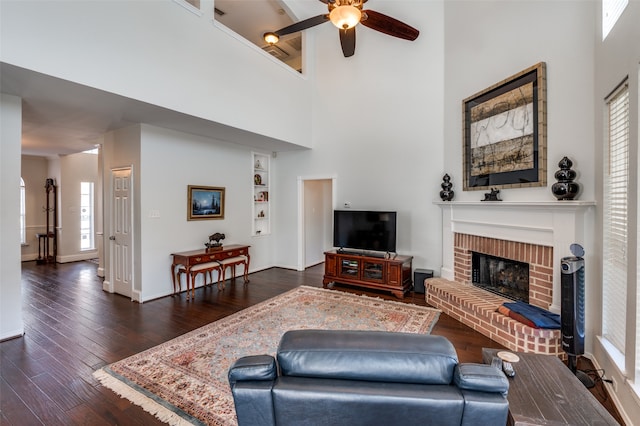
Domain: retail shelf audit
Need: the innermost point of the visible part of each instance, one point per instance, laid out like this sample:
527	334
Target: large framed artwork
505	133
205	202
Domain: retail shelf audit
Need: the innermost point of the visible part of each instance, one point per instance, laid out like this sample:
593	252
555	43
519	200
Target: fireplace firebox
506	277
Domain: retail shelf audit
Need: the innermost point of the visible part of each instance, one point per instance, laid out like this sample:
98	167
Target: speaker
419	275
572	305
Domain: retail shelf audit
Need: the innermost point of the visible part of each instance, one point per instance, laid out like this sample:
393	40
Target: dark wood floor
73	328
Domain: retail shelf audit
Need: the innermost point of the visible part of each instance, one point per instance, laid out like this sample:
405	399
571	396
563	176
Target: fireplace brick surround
476	307
537	233
539	258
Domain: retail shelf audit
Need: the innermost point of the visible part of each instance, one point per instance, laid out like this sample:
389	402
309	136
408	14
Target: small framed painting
205	202
505	133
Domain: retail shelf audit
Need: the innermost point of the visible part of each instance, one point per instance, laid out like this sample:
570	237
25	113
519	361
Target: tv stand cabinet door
374	270
399	273
330	265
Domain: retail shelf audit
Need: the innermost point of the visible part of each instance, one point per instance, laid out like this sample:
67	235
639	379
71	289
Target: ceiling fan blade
303	25
348	41
388	25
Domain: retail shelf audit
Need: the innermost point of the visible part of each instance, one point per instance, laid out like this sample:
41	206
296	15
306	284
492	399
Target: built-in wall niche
262	199
251	19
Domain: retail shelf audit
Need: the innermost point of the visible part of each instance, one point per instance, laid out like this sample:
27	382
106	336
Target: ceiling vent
275	51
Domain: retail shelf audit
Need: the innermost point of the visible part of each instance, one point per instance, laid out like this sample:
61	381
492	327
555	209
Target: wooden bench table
184	261
544	391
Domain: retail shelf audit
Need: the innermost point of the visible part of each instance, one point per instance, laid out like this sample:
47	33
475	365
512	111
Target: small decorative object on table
446	194
214	241
494	195
565	188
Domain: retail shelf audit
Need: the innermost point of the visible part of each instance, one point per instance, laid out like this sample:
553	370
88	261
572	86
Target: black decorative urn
565	188
447	193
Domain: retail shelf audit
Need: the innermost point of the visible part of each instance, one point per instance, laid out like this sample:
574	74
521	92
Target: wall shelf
261	206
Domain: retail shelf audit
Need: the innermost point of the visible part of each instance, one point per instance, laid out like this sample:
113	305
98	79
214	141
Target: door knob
112	238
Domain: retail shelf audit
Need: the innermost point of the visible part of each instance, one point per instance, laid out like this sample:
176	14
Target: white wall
489	41
11	324
164	163
75	168
377	127
159	52
170	162
34	173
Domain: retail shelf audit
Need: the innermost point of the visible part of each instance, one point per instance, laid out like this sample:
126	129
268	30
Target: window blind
615	226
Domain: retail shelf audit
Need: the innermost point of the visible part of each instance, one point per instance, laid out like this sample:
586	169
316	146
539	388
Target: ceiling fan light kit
271	38
346	14
345	17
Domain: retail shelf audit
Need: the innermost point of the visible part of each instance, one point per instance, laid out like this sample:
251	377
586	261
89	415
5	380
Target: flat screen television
364	230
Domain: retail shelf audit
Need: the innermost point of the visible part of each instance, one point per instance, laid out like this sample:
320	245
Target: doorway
315	219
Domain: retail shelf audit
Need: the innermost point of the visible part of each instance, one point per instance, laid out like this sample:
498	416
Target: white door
121	239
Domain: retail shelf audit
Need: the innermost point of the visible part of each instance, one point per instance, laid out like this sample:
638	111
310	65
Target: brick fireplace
535	233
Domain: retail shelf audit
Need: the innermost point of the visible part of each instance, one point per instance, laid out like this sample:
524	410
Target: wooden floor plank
73	327
14	410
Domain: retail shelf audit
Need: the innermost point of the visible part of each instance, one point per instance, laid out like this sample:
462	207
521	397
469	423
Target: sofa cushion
367	355
321	402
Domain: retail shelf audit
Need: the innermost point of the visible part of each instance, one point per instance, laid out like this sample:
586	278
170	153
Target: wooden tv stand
392	274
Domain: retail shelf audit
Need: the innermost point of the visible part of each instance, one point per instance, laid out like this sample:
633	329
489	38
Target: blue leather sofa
324	377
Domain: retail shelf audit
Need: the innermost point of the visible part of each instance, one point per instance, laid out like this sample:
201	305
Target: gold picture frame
205	202
505	133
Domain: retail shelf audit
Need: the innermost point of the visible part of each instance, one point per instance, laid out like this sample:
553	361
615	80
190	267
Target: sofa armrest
251	379
481	377
253	368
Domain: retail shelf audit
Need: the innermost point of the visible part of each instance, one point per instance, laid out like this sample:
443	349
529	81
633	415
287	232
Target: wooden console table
188	259
392	274
544	391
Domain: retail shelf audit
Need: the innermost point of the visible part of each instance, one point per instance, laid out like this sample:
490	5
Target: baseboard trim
77	257
15	334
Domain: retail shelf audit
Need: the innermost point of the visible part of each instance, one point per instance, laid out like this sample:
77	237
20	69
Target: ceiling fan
346	14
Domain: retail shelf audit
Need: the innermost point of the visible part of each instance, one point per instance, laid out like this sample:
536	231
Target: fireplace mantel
556	224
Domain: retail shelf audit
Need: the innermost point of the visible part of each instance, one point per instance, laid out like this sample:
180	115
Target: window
86	216
23	213
615	225
611	11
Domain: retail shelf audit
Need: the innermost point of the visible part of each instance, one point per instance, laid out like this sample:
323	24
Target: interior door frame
301	224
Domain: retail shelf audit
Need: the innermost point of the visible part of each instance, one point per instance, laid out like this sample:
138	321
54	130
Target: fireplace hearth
505	277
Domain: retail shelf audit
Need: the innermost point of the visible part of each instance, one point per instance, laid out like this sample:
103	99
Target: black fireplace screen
505	277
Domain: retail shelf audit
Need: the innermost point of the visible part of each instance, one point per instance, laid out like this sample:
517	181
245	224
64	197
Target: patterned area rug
184	381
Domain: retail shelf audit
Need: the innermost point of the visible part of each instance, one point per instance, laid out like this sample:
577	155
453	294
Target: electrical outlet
614	384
